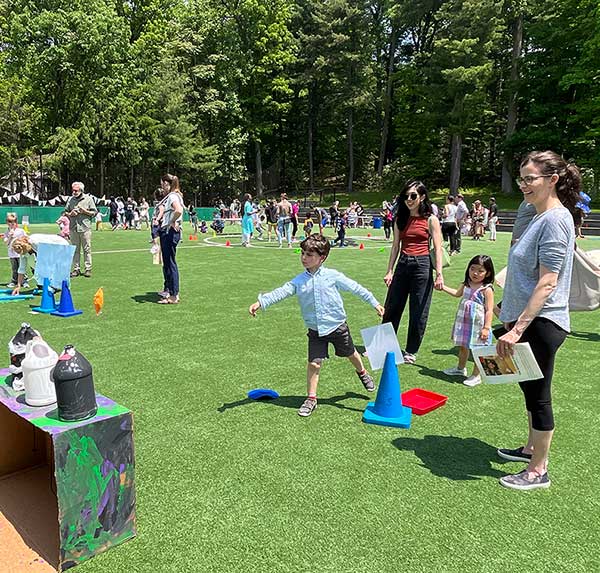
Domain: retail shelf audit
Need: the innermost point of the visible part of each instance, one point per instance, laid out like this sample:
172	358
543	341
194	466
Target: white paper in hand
379	340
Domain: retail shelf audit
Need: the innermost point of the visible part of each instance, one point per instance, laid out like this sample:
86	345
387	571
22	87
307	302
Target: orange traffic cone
368	234
228	243
361	247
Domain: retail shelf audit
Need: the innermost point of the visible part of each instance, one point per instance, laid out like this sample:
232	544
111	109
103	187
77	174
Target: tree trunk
258	158
130	182
387	103
350	151
456	151
311	164
511	119
101	189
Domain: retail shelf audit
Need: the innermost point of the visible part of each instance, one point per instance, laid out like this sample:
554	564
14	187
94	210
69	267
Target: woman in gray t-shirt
535	304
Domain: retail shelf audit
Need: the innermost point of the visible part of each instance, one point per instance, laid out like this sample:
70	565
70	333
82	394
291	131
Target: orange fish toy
99	301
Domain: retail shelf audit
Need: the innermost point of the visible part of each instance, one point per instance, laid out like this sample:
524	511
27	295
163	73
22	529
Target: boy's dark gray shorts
340	338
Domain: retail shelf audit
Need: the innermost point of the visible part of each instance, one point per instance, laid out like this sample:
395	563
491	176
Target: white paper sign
379	340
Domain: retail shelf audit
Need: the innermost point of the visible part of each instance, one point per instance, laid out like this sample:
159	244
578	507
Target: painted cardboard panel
94	471
93	466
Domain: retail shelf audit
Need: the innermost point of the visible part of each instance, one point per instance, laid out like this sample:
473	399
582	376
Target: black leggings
545	338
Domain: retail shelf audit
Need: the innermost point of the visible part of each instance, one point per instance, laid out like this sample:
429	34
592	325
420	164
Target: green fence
50	214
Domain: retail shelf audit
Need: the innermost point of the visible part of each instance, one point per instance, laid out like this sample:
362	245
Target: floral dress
470	318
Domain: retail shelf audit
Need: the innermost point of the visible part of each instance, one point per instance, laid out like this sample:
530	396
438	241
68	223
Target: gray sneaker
522	481
307	407
366	380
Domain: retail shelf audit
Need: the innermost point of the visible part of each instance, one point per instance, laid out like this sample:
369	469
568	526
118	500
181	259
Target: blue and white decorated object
53	262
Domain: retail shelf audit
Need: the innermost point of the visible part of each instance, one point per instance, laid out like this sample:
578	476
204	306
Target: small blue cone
48	305
387	410
66	308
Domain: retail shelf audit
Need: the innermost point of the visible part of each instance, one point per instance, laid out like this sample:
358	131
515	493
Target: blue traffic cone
65	307
387	410
48	304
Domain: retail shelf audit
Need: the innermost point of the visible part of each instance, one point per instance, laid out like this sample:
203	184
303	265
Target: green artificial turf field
225	484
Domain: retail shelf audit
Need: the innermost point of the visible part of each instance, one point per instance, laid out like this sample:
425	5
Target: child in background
341	224
99	216
64	225
474	315
159	209
13	232
203	227
308	225
322	308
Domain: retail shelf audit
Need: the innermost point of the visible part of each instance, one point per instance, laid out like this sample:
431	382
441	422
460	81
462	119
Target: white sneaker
472	380
455	371
25	285
409	358
11	284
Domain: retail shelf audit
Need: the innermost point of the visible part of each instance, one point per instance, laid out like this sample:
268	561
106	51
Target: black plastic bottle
75	395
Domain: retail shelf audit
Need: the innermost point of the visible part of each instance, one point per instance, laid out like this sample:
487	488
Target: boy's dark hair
487	264
316	244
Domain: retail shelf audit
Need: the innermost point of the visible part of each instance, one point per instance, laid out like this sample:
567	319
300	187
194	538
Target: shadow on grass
296	401
438	374
451	457
591	336
445	351
146	297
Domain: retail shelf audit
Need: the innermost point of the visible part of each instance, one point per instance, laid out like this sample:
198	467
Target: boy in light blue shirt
317	289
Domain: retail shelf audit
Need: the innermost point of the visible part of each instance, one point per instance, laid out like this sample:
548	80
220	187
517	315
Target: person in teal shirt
247	224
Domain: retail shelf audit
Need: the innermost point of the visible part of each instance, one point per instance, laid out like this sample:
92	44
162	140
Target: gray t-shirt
169	209
525	213
549	241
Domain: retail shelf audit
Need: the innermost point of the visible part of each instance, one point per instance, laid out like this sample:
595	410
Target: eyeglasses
411	196
529	179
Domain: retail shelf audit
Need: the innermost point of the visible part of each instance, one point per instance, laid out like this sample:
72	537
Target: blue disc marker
262	394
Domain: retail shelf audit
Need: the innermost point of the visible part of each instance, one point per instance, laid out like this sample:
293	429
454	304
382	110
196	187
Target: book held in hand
519	367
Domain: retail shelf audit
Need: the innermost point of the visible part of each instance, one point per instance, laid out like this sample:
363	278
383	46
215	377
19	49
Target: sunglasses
411	196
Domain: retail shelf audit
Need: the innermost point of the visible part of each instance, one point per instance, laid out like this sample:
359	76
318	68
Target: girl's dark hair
487	264
245	197
402	211
569	177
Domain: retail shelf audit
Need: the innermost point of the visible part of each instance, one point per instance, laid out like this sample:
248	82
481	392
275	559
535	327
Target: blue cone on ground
387	410
48	305
65	307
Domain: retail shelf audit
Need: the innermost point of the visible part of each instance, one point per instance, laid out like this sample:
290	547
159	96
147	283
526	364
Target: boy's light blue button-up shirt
319	297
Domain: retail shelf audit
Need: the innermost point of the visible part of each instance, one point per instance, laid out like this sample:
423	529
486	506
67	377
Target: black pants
545	338
458	238
449	232
387	229
413	279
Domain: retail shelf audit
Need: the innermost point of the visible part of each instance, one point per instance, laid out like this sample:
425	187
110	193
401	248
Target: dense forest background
293	95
